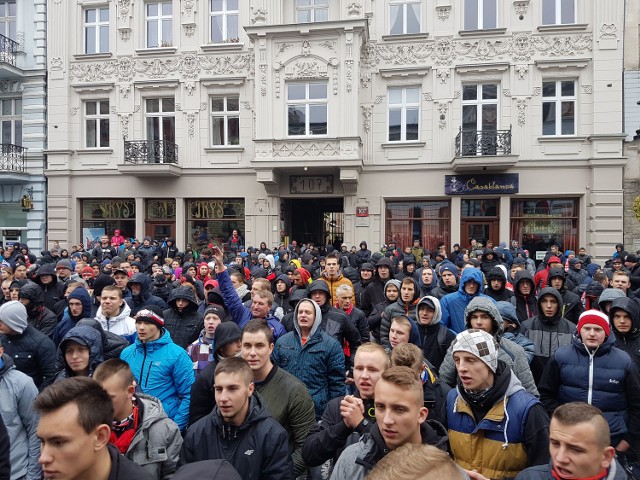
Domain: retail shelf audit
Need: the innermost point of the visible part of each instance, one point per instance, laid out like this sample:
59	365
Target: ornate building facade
338	121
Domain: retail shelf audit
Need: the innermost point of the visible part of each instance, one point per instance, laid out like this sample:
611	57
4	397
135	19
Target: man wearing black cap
449	274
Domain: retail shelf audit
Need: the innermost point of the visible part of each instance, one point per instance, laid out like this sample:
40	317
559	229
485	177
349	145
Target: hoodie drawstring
506	424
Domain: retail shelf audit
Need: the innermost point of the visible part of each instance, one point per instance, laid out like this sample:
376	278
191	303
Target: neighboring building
23	116
443	120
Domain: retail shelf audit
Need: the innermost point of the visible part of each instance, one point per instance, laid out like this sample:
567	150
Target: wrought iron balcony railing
8	50
470	143
12	158
150	151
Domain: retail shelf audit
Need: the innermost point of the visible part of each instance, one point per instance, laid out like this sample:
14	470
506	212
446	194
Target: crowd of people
139	360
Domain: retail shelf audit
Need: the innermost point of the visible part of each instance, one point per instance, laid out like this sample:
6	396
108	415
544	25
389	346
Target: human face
67	451
281	287
399	414
75	307
46	279
398	334
232	397
481	321
256	350
96	270
121	280
617	265
306	315
344	301
319	297
366	275
427	276
367	370
5	289
474	374
63	272
297	279
331	267
575	450
77	357
20	273
236	283
471	287
259	307
525	287
383	272
448	278
425	315
5	329
204	270
147	331
549	306
407	291
496	284
175	264
211	322
592	335
231	349
13	293
4	274
135	288
121	396
392	293
181	304
557	283
622	321
110	303
621	282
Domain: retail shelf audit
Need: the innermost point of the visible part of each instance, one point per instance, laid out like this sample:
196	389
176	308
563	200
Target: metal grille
470	143
150	151
12	158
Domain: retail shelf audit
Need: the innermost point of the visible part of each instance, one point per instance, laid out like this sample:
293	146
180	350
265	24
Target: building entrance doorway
316	220
480	221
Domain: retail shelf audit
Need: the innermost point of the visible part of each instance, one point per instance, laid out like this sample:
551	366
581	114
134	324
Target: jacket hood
322	286
295	262
47	269
609	295
592	268
496	273
87	336
469	274
185	293
285	278
226	333
521	276
297	295
304	273
124	313
81	294
272	261
488	306
395	282
316	322
434	303
32	292
557	272
144	280
508	312
628	305
558	297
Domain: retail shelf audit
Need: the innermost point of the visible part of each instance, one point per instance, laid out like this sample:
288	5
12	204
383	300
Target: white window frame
8	20
14	118
479	102
159	19
96	118
160	113
307	102
313	8
225	13
558	99
98	25
480	16
403	106
405	4
225	115
558	13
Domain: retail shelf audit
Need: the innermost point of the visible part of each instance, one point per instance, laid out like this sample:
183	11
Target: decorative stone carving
189	65
521	103
112	109
125	34
283	47
259	16
56	64
319	148
442	114
191	123
521	70
520	7
306	48
506	92
8	86
365	79
367	112
483	49
263	80
587	89
125	90
329	44
379	99
537	91
20	41
188	6
73	111
443	12
443	74
124	124
354	9
457	94
189	29
190	87
349	75
124	6
608	30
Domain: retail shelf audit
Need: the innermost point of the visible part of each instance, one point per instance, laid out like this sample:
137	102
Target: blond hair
416	462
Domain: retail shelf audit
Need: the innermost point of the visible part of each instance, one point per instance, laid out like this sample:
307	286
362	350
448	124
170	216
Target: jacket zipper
144	359
590	393
146	381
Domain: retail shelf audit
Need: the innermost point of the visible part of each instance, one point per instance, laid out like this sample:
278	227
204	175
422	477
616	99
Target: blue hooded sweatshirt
453	305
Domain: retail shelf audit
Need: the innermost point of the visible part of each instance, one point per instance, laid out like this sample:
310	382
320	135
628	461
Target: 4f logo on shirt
249	452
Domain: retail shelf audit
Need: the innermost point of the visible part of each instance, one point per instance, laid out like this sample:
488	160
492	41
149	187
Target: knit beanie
450	267
87	269
101	282
217	310
151	314
592	317
14	315
478	343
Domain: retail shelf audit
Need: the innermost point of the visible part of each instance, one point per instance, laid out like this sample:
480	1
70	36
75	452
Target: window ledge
156	50
94	151
403	144
565	27
562	138
92	56
224	148
405	36
485	32
217	47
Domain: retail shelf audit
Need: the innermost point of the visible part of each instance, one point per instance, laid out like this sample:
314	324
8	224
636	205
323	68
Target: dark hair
232	365
112	288
333	256
575	413
257	326
93	402
114	366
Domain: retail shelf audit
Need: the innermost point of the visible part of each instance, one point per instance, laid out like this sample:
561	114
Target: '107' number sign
307	184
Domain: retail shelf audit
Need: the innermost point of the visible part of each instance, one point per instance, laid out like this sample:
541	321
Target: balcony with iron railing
149	158
8	51
486	149
13	165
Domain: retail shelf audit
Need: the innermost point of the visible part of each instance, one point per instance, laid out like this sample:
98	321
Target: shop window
537	224
428	221
160	218
213	220
103	216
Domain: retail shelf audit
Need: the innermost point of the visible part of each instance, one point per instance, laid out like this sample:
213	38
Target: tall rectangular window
307	108
309	11
224	21
559	107
11	121
558	12
8	18
96	30
159	24
96	118
404	16
404	114
480	14
225	120
479	119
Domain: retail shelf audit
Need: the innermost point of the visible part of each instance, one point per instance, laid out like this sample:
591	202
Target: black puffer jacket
629	342
185	326
145	297
54	291
34	354
39	316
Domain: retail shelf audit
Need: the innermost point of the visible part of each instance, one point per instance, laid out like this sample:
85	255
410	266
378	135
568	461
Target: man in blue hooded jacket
453	305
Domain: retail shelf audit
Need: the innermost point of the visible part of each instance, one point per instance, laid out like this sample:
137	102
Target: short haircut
575	413
402	320
333	256
264	294
371	347
93	402
348	289
113	289
406	379
262	284
414	461
234	365
237	275
114	366
257	326
407	355
619	273
409	281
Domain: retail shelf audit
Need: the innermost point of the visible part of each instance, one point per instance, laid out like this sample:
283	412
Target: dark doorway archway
316	220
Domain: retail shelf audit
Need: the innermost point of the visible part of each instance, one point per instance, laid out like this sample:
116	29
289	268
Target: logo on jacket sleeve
249	452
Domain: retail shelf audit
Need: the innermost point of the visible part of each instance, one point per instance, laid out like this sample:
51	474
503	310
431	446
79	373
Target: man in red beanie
592	370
